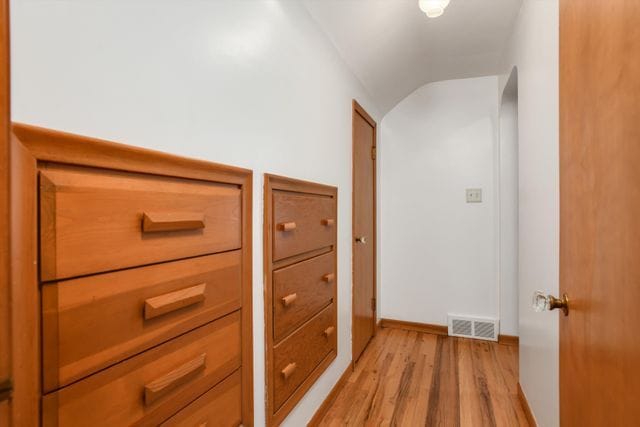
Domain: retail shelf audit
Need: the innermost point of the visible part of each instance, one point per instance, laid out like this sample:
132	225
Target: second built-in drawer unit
301	289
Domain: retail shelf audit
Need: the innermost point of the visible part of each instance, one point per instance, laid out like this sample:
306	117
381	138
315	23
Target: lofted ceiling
393	48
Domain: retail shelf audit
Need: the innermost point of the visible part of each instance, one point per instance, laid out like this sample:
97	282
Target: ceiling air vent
473	327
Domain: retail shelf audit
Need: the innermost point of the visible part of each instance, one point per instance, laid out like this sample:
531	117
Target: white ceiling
394	48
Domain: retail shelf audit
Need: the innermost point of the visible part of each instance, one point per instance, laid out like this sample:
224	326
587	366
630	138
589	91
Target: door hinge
373	304
373	152
6	387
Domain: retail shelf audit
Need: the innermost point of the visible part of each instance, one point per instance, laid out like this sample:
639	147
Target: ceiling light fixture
433	8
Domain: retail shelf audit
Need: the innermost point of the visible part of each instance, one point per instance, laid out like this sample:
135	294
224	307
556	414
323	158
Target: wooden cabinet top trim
62	147
282	183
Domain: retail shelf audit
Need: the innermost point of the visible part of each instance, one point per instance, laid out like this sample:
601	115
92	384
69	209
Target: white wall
508	201
439	253
253	84
533	48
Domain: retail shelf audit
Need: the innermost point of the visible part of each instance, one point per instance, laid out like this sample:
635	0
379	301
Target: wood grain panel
305	348
310	281
219	407
309	213
5	413
91	220
599	211
5	243
115	396
25	297
247	300
92	322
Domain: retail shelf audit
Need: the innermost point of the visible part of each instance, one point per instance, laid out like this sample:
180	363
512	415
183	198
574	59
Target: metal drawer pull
174	379
289	299
163	304
287	226
289	370
329	331
172	221
328	222
329	277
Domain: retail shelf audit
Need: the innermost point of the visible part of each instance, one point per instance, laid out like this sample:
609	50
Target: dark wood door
364	230
600	212
5	317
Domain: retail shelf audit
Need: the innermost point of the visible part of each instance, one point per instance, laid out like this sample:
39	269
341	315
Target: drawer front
91	322
302	223
219	407
150	387
300	291
95	220
296	357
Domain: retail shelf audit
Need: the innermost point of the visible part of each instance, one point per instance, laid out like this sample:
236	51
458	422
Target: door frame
357	109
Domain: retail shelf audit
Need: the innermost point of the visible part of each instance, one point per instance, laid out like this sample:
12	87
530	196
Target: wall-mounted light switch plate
474	195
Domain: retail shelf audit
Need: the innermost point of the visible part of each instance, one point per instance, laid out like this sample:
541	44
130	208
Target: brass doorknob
362	240
542	302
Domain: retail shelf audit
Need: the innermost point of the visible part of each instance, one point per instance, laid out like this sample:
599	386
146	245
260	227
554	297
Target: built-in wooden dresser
300	238
137	276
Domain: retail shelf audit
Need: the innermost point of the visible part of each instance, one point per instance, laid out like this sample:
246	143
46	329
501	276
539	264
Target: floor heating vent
473	327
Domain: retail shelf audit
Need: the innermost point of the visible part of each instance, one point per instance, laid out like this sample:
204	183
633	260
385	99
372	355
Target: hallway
408	378
268	213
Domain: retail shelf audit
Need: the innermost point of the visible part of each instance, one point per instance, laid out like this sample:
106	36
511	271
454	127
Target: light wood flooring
408	378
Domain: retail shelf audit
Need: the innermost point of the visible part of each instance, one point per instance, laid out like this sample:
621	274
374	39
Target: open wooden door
5	315
364	230
600	212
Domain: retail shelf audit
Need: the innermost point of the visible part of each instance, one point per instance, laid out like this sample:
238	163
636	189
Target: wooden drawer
297	356
95	220
302	223
92	322
219	407
300	291
150	387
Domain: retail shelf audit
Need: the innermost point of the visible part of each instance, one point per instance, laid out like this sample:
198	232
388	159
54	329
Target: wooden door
5	316
364	230
600	212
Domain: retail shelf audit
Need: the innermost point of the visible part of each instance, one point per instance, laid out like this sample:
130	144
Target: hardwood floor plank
409	378
418	399
486	381
444	398
475	410
384	400
346	412
504	356
406	388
